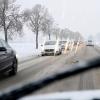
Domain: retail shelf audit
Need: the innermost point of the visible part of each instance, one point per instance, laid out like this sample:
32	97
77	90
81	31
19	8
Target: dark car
8	60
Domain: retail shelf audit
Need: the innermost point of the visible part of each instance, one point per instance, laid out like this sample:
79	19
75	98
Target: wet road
44	66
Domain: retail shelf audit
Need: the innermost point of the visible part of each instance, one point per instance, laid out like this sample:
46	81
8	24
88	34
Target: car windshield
89	40
63	42
50	43
41	38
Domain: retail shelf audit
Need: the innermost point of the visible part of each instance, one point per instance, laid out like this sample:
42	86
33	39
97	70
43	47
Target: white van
90	43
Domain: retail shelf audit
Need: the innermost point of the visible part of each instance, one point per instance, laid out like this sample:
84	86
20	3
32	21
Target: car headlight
56	49
42	50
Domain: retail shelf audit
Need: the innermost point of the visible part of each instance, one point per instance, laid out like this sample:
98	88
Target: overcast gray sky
77	15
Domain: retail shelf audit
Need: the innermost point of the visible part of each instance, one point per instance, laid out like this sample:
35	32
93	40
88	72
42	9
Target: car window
63	42
50	43
5	44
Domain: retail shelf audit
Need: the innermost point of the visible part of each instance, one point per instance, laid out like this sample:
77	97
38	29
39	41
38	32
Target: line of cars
53	47
56	47
8	59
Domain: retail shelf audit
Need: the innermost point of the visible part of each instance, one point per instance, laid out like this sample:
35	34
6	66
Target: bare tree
78	35
47	24
34	19
64	33
56	31
10	18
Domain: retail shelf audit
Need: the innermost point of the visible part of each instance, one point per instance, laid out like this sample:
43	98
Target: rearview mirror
2	49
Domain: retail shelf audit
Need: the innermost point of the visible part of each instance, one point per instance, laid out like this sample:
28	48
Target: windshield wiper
25	89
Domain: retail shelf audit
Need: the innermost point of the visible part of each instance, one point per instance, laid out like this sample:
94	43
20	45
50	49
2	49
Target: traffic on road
49	50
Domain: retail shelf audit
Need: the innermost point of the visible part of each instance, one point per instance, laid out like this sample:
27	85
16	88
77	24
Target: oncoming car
90	43
51	47
8	60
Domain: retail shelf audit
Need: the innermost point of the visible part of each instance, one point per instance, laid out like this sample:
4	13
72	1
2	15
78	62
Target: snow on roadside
24	50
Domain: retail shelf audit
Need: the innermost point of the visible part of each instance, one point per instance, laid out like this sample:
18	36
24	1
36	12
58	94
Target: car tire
14	68
60	53
54	54
42	55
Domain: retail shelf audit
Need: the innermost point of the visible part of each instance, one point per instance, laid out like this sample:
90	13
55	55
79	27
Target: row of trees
37	19
10	18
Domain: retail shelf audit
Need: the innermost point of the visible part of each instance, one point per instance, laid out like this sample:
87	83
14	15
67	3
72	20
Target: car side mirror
3	49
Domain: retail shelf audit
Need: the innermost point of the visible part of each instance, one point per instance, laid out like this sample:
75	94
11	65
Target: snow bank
25	49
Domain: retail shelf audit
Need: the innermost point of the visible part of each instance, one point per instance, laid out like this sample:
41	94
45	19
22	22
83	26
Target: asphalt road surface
44	66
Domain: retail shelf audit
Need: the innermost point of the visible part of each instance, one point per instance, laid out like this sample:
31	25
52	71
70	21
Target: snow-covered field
25	46
25	49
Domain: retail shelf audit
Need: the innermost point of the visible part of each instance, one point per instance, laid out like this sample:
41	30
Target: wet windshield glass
0	44
45	37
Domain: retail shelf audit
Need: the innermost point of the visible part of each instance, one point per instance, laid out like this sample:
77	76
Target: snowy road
40	67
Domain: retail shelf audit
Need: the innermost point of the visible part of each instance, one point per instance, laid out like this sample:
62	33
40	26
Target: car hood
49	47
77	95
